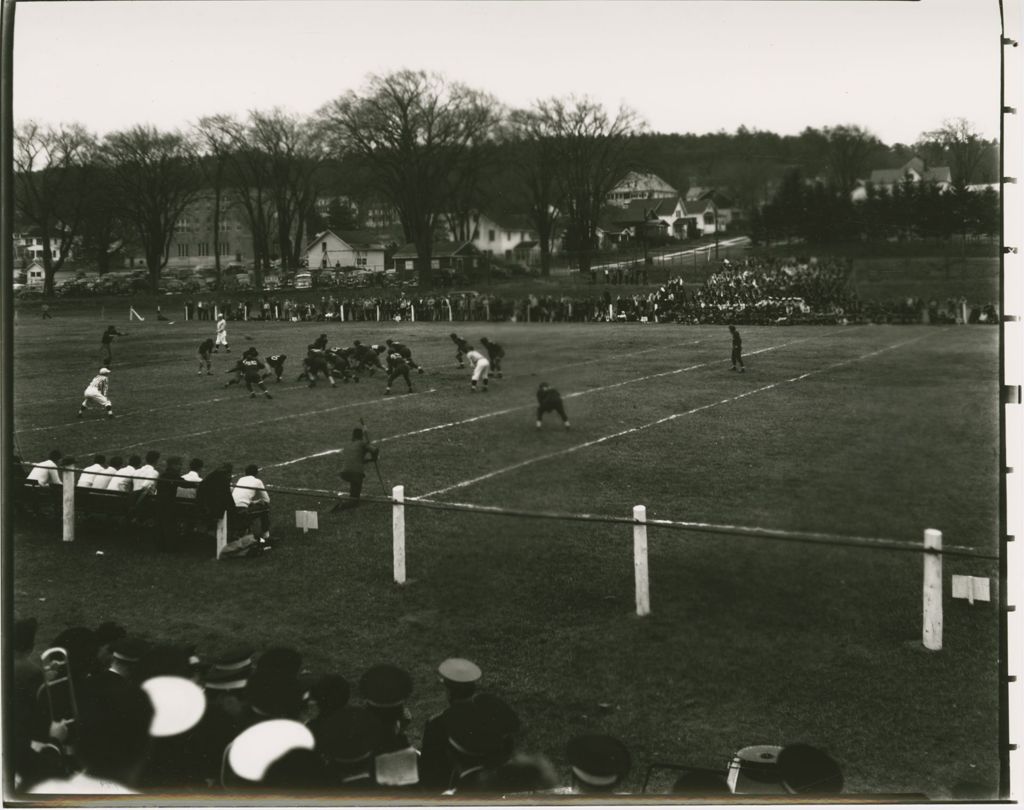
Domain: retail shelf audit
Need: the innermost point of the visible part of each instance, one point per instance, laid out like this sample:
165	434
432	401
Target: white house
328	250
640	186
913	171
35	276
509	236
29	248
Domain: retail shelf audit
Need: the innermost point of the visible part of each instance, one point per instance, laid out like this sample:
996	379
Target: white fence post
398	533
643	587
931	633
222	533
68	504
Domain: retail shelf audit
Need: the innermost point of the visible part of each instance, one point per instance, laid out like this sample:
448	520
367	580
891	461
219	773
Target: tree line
430	149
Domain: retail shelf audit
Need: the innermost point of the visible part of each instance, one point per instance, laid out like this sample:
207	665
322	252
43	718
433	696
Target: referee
737	349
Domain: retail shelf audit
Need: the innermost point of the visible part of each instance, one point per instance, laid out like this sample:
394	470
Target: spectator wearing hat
479	734
111	744
348	740
227	712
385	688
459	678
599	763
329	694
178	706
250	755
105	635
126	653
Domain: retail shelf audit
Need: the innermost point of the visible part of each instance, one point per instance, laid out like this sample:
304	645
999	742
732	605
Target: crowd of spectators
764	290
102	711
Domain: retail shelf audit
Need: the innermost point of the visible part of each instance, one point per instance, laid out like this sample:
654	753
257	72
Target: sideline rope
785	535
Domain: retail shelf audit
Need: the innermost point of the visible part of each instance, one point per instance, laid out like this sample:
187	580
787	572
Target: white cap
104	370
259	746
178	704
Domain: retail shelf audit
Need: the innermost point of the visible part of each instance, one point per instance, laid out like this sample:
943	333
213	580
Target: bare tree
962	145
416	132
248	174
537	150
294	152
593	152
849	147
215	153
52	169
155	176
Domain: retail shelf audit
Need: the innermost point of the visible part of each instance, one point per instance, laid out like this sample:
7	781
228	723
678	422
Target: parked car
303	281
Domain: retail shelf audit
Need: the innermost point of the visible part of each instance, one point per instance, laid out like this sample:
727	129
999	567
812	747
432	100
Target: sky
896	68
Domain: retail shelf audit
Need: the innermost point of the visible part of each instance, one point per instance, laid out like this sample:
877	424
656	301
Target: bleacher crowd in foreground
103	712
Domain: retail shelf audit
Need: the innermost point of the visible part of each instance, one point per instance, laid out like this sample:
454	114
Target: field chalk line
29	403
503	412
283	417
663	420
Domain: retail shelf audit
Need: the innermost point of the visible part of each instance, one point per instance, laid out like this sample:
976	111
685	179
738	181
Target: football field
878	431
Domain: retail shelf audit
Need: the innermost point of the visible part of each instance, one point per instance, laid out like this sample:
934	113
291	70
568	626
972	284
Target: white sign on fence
971	588
305	520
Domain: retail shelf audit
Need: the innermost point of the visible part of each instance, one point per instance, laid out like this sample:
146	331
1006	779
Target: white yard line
655	423
491	414
283	417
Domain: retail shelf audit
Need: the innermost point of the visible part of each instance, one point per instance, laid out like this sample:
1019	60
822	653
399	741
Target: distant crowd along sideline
762	290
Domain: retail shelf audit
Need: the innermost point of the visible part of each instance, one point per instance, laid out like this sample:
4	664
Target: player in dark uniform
106	340
252	373
320	342
205	348
339	359
276	363
367	357
737	349
496	353
405	351
237	370
461	347
398	366
316	364
548	399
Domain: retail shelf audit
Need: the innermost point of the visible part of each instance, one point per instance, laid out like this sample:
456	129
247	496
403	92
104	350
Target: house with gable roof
347	249
640	186
913	171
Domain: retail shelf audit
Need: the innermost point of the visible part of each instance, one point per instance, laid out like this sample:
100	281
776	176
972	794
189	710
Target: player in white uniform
97	392
481	368
222	335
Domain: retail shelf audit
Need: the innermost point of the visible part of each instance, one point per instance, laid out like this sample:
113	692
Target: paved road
735	241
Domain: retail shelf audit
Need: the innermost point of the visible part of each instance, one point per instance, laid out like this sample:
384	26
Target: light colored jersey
102	479
145	478
88	476
187	492
45	473
247	490
99	384
120	481
474	357
222	326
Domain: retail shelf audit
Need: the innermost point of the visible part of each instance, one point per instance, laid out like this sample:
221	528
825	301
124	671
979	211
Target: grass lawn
875	430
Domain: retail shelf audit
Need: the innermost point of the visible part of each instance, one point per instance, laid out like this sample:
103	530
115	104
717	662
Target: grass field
880	431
